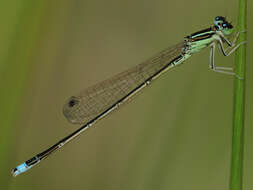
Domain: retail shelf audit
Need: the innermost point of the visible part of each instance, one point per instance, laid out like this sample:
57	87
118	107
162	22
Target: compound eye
229	25
224	25
217	18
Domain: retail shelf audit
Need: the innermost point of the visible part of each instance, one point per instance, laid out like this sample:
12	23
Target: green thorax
199	40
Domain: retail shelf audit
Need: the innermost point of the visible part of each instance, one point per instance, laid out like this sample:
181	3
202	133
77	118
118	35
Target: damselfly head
221	24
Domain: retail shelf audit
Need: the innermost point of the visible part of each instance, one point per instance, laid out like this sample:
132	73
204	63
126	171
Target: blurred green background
175	135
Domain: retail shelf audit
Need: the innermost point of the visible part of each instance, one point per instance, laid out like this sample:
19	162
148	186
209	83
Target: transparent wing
96	99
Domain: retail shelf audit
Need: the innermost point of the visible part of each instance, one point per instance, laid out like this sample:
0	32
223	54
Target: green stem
239	104
14	70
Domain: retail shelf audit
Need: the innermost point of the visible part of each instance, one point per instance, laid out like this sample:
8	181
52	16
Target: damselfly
100	99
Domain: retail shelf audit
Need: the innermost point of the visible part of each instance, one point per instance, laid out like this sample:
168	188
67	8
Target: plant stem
236	174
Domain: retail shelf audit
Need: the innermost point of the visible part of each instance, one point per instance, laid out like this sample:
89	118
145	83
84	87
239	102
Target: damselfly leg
226	52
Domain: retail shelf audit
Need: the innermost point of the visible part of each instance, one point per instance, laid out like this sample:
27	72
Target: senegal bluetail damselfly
100	99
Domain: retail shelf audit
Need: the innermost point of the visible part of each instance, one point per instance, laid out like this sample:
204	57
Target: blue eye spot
220	18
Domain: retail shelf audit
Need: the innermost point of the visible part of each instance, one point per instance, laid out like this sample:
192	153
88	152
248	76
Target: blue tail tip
20	169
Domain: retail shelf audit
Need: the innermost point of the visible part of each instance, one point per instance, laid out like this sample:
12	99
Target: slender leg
223	51
211	62
234	40
217	69
220	44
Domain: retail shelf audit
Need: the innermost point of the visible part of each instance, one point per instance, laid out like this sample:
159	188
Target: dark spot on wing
72	102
